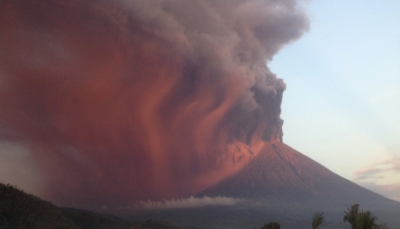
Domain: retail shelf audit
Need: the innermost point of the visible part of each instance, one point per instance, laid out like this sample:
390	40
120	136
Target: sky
341	106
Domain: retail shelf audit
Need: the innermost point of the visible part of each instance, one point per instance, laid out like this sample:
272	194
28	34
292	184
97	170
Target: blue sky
342	102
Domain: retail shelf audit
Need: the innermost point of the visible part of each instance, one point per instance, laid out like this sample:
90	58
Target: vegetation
19	210
357	220
272	225
317	220
350	216
361	220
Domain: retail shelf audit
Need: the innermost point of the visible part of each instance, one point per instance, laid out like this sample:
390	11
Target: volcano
280	174
281	184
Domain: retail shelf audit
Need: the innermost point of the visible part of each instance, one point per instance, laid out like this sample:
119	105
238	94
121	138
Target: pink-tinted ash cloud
120	101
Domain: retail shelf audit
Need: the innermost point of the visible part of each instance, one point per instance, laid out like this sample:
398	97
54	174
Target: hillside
21	210
281	174
281	184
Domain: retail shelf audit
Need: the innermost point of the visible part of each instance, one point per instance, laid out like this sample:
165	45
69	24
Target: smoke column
122	101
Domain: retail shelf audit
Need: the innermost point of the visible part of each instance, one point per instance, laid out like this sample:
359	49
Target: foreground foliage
317	220
357	220
361	220
272	225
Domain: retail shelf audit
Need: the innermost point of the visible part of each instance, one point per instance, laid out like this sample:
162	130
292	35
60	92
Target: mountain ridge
281	184
280	172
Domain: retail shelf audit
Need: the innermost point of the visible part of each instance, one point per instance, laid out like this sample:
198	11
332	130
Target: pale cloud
385	171
368	173
383	176
190	202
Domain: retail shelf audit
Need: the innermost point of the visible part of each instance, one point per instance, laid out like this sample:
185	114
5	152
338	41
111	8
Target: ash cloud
120	101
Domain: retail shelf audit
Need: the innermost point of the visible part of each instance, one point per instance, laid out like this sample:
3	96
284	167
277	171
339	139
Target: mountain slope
282	174
280	184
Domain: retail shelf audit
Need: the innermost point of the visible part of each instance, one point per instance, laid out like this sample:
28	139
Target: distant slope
282	174
21	210
280	184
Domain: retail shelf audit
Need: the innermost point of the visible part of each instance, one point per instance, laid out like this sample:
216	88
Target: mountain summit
281	184
281	174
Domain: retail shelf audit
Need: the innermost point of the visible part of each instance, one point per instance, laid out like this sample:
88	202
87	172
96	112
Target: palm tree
351	215
365	220
272	225
317	219
361	220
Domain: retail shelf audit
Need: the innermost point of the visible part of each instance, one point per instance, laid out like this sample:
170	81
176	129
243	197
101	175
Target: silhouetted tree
272	225
317	220
365	220
351	215
361	220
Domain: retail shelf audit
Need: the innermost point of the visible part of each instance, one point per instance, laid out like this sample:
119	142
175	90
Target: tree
361	220
365	220
351	215
272	225
317	220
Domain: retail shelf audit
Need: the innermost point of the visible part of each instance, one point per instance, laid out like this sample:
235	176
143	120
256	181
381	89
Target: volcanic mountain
281	184
281	174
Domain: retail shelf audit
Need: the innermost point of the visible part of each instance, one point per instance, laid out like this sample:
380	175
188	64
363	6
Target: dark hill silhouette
19	210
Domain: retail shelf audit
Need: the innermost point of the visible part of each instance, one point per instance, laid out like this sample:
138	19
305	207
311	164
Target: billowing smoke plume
125	100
